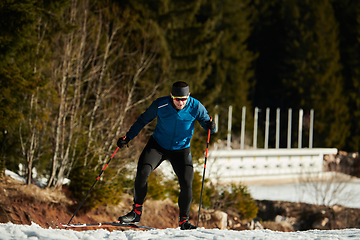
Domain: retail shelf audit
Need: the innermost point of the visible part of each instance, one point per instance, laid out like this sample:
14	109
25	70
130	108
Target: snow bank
10	231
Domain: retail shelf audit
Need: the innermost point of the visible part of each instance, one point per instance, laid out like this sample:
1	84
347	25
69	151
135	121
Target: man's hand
123	141
210	125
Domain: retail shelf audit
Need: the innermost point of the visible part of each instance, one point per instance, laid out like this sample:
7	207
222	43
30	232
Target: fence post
301	114
216	118
266	144
277	144
229	128
242	144
217	122
289	128
311	134
256	113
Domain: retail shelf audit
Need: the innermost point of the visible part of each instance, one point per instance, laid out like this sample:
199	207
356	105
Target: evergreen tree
347	13
267	41
316	80
17	48
188	28
232	73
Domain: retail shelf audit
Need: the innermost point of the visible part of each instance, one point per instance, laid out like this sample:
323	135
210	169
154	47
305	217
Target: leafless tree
326	188
32	133
88	80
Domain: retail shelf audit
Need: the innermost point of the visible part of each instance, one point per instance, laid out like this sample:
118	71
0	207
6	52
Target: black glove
123	141
210	125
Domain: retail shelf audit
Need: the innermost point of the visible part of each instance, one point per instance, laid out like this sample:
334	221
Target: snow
10	231
14	176
340	193
39	181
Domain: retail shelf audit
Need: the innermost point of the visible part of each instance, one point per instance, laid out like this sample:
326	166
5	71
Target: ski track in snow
10	231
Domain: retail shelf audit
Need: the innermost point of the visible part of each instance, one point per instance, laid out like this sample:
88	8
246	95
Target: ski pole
92	186
202	184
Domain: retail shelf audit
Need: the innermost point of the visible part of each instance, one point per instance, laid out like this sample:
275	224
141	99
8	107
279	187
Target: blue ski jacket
174	128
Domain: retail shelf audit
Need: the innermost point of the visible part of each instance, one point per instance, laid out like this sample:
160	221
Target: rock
279	218
221	217
337	208
320	223
214	219
258	226
278	226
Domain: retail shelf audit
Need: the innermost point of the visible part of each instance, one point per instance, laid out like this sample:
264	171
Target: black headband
180	91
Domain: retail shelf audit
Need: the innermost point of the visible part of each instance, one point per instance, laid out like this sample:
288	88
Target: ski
107	224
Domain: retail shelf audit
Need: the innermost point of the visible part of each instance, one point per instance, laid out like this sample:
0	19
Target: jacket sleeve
143	120
203	117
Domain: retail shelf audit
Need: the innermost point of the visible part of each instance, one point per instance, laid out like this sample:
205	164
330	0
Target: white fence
241	165
257	164
309	118
233	166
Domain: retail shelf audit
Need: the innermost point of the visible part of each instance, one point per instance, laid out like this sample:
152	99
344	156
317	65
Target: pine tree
232	72
189	30
17	48
347	14
316	80
267	40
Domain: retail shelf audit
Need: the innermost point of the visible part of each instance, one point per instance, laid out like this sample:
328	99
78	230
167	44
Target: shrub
240	200
208	192
156	186
107	190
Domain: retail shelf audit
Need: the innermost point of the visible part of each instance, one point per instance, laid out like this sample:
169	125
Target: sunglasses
179	98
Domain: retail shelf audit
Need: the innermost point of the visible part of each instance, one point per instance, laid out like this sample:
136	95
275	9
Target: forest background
75	75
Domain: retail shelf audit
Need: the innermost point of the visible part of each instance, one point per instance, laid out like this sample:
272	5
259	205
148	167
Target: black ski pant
151	157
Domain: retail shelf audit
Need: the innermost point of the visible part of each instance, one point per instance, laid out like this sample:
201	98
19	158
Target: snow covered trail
10	231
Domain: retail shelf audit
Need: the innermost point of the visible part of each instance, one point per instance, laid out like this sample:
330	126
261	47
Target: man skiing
176	115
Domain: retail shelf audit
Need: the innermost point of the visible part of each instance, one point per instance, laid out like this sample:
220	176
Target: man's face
179	102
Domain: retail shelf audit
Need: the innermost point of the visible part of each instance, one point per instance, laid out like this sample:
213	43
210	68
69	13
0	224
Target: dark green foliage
17	78
189	30
240	200
347	15
107	190
156	186
299	66
208	192
232	75
16	21
316	78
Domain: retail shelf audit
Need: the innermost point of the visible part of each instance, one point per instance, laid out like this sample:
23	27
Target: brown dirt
22	204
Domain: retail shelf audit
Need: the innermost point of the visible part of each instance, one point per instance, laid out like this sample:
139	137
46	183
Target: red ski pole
92	186
202	184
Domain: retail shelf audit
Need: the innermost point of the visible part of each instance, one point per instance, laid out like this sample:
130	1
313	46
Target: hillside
22	204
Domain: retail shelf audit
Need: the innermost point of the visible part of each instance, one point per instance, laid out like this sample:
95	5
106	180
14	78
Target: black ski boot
185	224
133	216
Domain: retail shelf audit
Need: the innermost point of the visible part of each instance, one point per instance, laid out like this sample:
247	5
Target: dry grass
13	189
